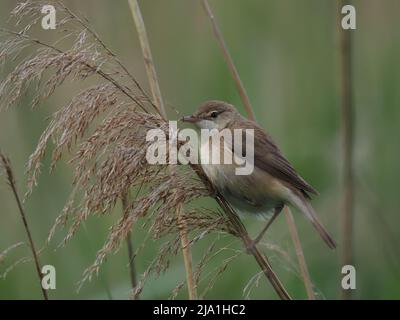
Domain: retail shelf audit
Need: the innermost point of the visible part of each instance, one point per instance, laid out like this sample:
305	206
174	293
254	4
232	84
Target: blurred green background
286	52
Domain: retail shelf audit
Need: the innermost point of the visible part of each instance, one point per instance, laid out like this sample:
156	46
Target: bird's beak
191	119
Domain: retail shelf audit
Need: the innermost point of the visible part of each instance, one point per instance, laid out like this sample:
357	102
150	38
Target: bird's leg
261	234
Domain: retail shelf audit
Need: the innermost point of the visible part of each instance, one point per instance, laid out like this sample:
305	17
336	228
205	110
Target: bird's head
213	115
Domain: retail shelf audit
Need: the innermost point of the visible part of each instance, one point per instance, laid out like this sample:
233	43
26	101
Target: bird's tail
305	207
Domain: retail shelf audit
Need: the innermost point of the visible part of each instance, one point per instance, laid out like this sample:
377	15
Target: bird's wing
268	157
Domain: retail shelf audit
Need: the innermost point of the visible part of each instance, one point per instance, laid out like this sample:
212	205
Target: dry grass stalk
229	61
187	255
104	128
131	256
300	254
158	100
148	58
6	166
250	113
347	119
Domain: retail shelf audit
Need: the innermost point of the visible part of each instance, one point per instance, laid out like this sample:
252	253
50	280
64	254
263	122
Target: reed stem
250	113
156	93
187	256
229	61
347	120
147	56
11	181
300	254
131	254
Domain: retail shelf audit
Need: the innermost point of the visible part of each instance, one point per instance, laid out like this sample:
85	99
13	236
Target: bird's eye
214	114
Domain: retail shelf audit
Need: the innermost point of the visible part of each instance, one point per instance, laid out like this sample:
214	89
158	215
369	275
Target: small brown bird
272	184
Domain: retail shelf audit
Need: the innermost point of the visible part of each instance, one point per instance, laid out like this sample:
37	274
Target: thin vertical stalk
250	113
11	181
347	128
241	231
156	93
148	58
300	254
187	257
131	254
229	61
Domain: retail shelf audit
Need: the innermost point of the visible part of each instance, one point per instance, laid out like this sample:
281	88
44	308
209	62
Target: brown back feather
268	157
